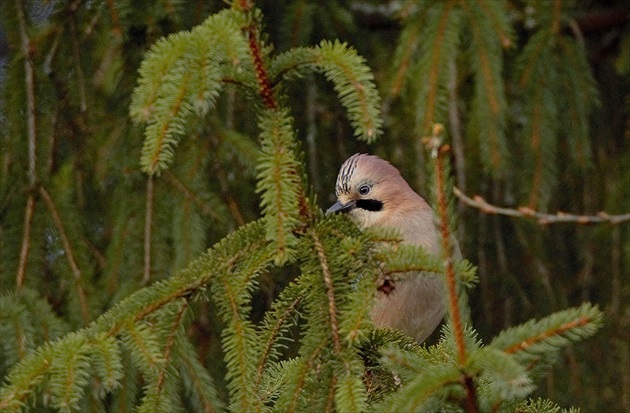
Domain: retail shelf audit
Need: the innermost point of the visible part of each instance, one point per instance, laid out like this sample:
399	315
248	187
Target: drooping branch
255	49
192	195
69	252
540	217
26	242
524	345
148	225
170	341
113	12
25	47
23	378
434	68
438	152
273	336
330	293
76	54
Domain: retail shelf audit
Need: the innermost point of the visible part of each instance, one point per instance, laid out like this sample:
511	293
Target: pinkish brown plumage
373	193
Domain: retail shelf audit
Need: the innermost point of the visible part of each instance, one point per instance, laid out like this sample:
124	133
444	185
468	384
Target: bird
374	194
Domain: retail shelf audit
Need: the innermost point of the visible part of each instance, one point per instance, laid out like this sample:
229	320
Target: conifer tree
274	315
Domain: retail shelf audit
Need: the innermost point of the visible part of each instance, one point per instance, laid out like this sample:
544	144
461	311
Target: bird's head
370	189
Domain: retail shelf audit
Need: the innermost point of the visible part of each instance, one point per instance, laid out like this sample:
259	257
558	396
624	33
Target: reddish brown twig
434	143
264	85
540	217
524	345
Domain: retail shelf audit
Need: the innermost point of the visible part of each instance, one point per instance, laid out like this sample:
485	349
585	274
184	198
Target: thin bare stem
69	252
26	242
541	218
25	46
31	129
148	224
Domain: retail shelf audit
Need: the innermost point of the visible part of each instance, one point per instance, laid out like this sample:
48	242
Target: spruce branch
541	121
161	135
443	212
140	339
438	151
537	343
353	81
161	394
189	193
76	54
555	330
422	393
455	127
330	293
405	50
113	12
264	85
406	258
354	85
107	363
279	182
274	331
26	242
434	54
69	373
198	383
148	226
290	397
125	317
29	81
24	377
228	195
232	294
499	21
488	106
182	76
176	325
72	263
541	218
556	16
534	51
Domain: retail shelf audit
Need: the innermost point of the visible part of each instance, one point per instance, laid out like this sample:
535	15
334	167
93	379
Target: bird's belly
415	306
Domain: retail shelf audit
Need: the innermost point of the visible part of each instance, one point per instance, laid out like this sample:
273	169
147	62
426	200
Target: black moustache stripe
369	204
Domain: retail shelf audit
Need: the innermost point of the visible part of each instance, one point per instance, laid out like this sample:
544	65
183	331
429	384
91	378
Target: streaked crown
362	167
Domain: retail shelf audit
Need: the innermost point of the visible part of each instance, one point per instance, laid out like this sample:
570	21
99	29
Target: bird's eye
364	189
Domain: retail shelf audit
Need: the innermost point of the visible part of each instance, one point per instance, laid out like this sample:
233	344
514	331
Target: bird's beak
339	207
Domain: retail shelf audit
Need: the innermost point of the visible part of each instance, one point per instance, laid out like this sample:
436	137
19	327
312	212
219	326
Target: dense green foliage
138	134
